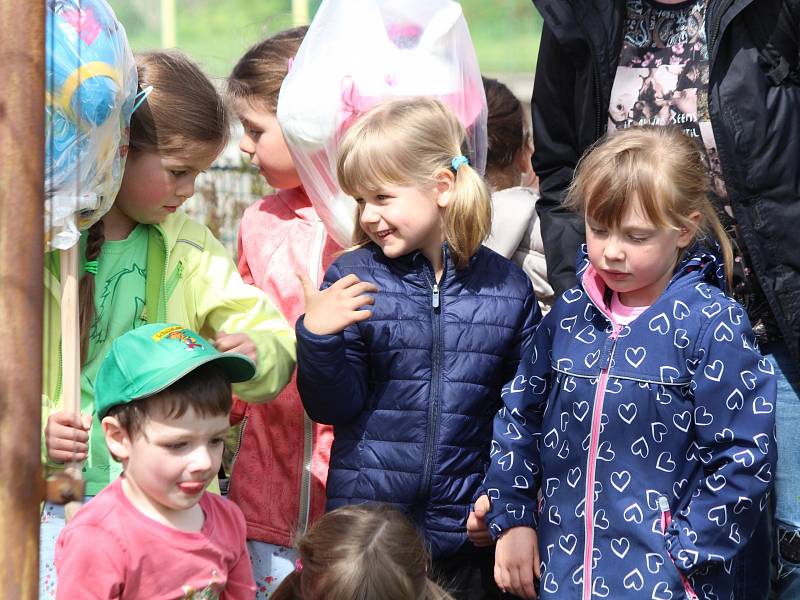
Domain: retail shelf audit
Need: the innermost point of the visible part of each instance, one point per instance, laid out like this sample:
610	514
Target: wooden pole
22	69
169	37
299	12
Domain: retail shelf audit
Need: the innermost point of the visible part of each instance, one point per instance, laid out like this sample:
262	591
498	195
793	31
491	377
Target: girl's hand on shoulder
236	342
517	561
335	308
66	436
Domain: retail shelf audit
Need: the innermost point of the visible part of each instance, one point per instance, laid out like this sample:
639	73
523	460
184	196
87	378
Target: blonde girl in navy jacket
643	413
412	384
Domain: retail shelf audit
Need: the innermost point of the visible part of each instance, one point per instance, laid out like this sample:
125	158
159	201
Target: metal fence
223	193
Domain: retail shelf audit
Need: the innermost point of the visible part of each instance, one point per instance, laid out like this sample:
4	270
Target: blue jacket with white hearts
651	443
412	391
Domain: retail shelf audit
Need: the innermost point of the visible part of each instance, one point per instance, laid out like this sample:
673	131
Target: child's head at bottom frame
361	552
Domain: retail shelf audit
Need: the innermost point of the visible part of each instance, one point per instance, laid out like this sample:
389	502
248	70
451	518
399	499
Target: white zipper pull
663	504
435	298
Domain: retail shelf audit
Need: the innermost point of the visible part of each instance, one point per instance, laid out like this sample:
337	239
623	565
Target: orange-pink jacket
279	473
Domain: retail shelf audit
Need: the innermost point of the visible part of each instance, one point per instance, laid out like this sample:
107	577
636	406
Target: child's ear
688	230
117	439
443	188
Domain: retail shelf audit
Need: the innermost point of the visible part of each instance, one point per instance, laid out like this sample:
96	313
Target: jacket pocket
666	519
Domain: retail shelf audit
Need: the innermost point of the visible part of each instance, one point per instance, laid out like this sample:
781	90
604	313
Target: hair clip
298	565
141	96
91	267
457	162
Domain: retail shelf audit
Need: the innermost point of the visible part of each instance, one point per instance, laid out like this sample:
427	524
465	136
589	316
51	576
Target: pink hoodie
278	478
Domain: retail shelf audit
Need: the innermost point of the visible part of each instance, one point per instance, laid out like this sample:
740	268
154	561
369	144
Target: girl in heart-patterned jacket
642	414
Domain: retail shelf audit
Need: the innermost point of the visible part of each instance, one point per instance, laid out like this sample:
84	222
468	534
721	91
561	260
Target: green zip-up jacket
192	281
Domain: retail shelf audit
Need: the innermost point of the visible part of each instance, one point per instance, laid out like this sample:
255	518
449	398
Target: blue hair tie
457	162
141	96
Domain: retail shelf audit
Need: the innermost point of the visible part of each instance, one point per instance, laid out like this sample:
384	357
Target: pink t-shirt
111	550
622	314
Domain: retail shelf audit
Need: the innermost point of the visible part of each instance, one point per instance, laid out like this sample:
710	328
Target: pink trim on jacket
594	287
279	236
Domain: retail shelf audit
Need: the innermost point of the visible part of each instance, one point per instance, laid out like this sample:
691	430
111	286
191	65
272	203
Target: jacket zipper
712	32
308	427
433	403
666	519
591	462
238	447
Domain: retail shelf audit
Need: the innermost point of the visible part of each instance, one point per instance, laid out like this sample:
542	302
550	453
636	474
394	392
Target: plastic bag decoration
91	85
357	53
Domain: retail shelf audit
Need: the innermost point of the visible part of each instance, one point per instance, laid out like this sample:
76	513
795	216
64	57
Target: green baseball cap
149	359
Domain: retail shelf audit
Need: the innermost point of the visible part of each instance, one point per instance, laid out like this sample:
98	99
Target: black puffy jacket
756	124
412	390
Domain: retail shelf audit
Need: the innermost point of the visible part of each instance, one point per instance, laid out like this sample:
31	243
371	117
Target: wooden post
299	12
22	69
169	35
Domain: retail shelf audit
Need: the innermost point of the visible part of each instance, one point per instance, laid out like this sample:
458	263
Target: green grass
215	33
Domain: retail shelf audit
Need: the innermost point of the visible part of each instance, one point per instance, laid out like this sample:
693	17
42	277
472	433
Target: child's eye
359	201
175	446
597	231
382	197
638	239
217	441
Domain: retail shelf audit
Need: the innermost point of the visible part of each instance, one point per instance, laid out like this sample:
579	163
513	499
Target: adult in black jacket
751	100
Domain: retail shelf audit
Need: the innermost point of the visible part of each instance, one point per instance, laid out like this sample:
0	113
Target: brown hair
361	552
258	75
206	389
182	111
661	167
505	125
409	142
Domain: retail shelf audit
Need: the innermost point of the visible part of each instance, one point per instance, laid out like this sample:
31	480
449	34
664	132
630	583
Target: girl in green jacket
145	262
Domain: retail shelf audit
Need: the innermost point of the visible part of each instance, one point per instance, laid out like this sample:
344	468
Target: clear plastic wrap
91	86
358	53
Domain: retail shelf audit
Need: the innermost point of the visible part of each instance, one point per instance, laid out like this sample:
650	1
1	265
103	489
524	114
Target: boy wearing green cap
163	396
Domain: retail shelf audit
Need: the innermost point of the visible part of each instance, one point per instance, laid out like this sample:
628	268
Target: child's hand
477	530
336	307
517	561
66	436
236	342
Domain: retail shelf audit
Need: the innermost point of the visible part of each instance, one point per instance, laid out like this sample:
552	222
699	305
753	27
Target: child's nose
185	187
201	460
369	215
246	145
613	249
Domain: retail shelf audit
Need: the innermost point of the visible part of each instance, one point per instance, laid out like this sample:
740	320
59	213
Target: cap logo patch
179	334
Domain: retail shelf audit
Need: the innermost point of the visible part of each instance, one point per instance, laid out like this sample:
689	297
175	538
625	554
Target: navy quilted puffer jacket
412	391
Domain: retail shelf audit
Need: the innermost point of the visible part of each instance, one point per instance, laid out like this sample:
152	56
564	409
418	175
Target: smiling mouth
171	209
383	233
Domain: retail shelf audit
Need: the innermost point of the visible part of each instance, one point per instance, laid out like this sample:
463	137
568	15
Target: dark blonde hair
183	111
361	552
409	142
258	75
661	167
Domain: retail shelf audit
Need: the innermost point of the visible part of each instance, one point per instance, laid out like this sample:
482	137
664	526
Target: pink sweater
111	550
279	475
